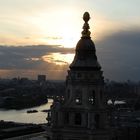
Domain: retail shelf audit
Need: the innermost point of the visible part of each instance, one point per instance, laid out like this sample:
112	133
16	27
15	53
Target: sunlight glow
58	58
60	27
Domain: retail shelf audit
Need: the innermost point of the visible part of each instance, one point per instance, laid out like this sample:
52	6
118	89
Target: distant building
82	114
41	78
138	89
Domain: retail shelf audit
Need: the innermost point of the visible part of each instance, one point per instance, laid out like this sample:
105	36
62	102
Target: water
24	117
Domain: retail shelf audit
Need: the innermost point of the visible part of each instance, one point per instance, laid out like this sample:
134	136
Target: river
23	117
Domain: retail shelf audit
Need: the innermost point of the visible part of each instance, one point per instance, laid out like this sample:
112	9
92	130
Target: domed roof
85	44
85	57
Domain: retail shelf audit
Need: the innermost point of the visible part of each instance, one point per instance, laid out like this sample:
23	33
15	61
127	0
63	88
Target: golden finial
86	17
86	32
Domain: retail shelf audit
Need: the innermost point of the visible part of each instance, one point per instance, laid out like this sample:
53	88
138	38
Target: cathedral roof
85	57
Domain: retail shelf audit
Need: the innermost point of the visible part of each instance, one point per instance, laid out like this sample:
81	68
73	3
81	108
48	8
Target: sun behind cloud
59	58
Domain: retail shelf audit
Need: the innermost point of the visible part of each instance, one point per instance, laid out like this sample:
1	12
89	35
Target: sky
39	37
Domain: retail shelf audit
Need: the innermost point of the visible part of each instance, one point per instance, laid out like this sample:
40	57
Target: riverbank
20	93
23	117
23	103
10	129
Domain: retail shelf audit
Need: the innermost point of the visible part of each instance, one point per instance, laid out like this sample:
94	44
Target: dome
85	44
85	57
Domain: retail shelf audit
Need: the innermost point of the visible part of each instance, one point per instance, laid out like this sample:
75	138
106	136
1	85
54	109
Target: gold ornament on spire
86	32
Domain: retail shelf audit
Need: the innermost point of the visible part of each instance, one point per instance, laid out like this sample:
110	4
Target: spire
86	32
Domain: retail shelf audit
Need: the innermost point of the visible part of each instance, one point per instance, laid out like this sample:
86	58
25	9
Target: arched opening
79	75
78	101
87	119
97	120
78	118
78	97
101	95
92	97
56	115
66	118
68	93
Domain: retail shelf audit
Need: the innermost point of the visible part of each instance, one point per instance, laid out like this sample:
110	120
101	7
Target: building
41	79
82	114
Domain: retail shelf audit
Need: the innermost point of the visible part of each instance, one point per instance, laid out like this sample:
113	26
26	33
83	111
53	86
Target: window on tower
78	97
92	97
56	115
78	101
97	120
87	119
101	94
79	75
78	119
68	93
66	118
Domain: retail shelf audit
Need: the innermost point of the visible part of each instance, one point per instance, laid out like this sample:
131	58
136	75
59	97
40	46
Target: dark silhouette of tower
82	115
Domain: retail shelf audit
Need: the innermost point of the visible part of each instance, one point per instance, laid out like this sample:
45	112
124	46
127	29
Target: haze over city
39	37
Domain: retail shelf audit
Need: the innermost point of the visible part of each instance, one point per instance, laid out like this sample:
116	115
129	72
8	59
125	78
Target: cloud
119	55
27	61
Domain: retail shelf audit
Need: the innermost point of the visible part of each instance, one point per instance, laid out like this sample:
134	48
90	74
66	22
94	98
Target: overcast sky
39	36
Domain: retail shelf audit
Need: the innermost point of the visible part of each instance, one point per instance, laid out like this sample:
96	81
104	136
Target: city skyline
39	37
